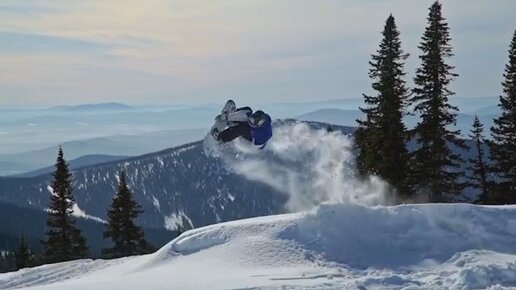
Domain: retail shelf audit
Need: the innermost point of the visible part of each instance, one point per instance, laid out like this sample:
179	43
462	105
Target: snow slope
334	246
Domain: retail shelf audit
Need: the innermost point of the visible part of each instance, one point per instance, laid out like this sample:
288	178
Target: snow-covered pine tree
64	240
503	145
382	137
128	238
478	166
436	166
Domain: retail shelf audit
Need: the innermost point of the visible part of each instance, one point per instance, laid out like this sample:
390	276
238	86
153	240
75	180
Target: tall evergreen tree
127	237
478	166
436	166
382	136
64	240
24	256
503	145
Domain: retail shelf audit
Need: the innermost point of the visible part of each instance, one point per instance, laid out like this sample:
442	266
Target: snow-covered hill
178	186
334	246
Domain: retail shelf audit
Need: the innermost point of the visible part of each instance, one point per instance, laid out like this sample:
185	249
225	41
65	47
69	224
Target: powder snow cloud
310	166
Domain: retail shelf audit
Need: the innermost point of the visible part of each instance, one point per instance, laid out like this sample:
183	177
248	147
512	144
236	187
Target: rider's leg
231	133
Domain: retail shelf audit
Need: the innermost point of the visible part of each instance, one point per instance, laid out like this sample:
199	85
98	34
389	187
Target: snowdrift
428	246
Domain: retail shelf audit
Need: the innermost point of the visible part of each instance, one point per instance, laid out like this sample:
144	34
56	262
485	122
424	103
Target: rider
236	122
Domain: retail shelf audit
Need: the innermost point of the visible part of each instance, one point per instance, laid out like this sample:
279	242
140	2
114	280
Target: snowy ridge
334	246
182	181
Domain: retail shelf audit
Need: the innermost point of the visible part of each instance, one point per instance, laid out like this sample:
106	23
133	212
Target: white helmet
229	107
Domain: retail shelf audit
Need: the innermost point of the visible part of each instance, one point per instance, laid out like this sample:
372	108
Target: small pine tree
127	237
478	167
382	137
3	265
365	139
7	262
24	256
503	145
436	166
64	240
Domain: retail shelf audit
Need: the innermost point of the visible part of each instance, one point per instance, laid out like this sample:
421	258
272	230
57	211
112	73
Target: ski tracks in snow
55	273
335	246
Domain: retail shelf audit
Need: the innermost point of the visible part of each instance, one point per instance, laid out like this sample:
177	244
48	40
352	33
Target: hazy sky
165	51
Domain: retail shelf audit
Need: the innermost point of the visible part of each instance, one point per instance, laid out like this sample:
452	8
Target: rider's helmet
257	119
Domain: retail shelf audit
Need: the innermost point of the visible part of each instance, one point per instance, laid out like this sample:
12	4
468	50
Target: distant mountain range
94	107
469	105
114	146
32	129
332	116
488	110
23	131
349	117
82	161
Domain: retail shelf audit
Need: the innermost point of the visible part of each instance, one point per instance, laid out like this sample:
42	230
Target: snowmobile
233	122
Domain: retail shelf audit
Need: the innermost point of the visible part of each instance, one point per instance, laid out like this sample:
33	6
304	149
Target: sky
175	52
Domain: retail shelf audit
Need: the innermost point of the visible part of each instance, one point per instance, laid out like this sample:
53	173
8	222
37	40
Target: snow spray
310	166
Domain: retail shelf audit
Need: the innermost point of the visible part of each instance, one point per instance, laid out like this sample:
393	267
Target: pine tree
127	237
366	139
7	262
436	166
479	168
64	240
24	257
3	263
382	136
503	145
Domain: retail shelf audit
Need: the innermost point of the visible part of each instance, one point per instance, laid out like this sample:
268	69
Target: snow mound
336	246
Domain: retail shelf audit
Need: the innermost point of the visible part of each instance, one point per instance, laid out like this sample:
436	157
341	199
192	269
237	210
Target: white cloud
204	49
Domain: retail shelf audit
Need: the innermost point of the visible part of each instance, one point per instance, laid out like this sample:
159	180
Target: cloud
35	43
201	50
30	7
